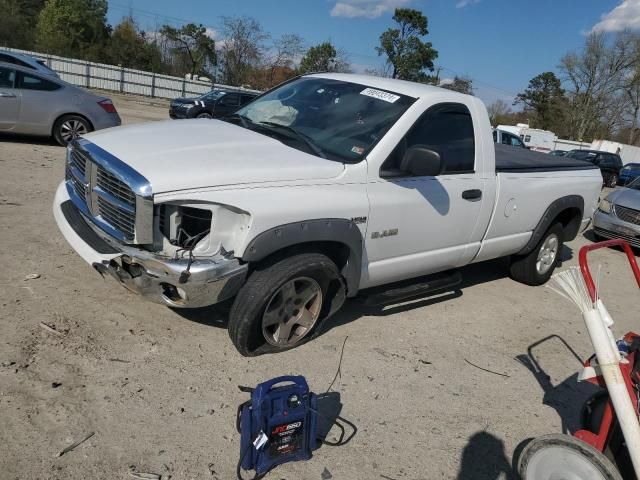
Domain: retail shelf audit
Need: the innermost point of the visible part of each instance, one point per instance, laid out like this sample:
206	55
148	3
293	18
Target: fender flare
552	212
338	230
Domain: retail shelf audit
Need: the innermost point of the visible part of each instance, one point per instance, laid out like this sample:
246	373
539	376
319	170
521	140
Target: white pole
608	361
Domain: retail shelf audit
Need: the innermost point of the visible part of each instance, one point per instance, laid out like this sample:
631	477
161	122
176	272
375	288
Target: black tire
524	267
559	443
246	316
68	127
613	180
204	115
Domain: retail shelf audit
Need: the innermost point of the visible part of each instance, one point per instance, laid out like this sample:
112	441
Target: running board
412	288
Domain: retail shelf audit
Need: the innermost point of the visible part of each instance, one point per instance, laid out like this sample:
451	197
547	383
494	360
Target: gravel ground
159	387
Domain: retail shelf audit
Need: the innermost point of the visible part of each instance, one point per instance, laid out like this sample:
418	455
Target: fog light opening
173	294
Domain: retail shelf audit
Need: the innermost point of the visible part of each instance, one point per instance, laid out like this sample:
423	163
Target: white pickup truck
320	189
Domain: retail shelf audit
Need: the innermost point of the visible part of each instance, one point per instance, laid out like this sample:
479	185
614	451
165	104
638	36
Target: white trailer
628	153
533	138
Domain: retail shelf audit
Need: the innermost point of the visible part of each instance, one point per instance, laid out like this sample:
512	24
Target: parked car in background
506	138
618	215
35	104
610	164
215	104
629	173
558	153
26	61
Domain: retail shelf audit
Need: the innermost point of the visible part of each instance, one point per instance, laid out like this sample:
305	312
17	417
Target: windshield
213	95
635	184
44	65
582	155
635	168
327	118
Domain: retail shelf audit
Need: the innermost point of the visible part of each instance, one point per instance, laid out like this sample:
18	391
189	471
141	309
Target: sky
499	44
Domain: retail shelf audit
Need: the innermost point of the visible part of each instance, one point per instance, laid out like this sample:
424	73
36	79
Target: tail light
108	106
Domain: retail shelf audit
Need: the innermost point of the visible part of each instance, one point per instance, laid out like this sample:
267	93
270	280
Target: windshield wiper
244	121
292	133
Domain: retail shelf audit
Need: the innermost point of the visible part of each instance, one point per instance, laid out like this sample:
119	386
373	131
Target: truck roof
411	89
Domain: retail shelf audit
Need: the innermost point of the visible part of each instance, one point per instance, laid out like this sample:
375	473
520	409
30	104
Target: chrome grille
627	214
112	185
119	218
110	193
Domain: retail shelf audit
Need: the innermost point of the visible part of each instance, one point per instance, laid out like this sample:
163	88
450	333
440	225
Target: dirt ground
159	387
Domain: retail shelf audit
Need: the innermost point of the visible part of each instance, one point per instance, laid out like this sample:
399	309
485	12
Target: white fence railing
125	80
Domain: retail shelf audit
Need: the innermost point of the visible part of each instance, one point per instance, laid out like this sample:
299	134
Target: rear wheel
70	127
282	303
554	457
613	180
536	267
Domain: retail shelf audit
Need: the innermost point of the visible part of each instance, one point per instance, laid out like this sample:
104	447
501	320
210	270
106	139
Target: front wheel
536	267
613	180
282	303
204	115
556	456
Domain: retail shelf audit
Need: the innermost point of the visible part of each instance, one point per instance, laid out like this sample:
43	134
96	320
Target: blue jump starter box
278	425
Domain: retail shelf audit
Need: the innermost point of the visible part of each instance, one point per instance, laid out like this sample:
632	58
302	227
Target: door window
231	100
7	77
246	99
447	129
32	82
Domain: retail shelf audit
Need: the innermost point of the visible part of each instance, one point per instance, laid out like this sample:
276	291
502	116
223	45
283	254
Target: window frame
20	85
15	76
391	173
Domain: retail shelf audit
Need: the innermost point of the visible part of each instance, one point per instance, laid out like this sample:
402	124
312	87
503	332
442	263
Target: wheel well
67	114
336	251
571	218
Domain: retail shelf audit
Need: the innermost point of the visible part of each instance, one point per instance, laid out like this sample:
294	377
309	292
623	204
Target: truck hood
625	197
185	154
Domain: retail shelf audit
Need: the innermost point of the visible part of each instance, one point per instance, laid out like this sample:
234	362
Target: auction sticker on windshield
380	95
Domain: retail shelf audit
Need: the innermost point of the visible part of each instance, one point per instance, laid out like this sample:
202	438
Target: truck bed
512	159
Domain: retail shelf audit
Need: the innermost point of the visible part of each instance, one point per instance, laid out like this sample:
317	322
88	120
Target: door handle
472	195
7	95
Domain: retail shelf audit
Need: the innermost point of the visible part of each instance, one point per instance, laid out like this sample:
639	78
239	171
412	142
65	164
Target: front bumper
168	281
609	226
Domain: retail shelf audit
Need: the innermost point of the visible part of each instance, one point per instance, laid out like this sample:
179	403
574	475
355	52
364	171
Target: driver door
424	224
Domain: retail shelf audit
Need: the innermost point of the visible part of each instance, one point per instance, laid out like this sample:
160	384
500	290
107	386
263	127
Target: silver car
27	61
618	215
35	104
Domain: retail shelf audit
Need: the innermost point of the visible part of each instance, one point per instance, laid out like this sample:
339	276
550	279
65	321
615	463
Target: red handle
584	266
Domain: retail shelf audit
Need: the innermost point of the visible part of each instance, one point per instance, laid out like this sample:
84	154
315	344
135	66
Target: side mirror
421	161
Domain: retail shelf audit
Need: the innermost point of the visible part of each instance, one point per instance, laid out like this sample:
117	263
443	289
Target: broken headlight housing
184	226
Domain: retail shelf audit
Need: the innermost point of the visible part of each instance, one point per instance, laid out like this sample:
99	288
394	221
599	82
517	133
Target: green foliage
404	48
130	48
460	84
17	22
191	42
545	97
320	58
73	28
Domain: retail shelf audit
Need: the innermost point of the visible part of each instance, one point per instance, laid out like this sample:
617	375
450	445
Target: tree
459	84
18	21
545	97
73	28
404	48
130	48
280	66
323	58
498	111
243	48
595	78
193	47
